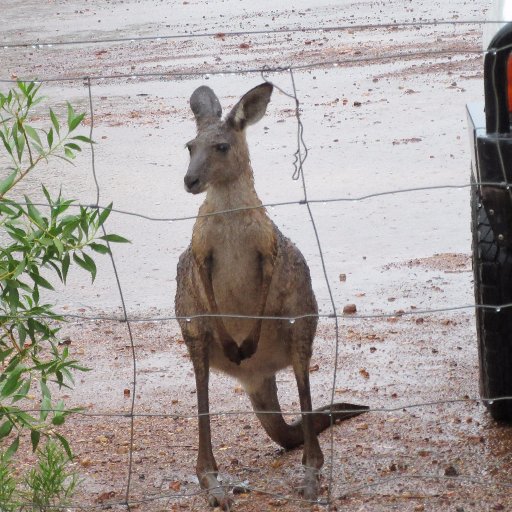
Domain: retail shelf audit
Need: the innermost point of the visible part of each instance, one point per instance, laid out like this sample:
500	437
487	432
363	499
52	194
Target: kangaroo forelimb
250	344
229	345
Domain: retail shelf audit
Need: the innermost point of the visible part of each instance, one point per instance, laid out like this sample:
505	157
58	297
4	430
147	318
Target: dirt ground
377	125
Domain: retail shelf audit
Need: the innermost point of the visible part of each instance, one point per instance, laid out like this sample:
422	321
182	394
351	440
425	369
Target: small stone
350	309
86	462
277	502
364	373
450	471
241	489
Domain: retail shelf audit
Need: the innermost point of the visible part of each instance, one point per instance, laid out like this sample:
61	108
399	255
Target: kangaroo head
219	153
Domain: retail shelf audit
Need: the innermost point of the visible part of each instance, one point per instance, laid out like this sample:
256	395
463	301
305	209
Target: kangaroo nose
191	182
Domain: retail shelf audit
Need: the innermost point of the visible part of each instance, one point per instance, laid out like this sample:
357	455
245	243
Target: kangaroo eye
222	147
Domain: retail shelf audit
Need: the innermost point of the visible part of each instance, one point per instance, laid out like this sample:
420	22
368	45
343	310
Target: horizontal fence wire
200	35
347	491
257	70
291	319
325	200
326	412
300	156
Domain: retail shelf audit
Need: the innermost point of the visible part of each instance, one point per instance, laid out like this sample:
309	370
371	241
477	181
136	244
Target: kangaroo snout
192	183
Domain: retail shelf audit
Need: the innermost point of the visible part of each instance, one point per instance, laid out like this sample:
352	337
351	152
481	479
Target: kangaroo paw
232	352
247	348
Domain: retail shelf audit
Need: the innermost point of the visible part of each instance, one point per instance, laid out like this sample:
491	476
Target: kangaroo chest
236	267
235	246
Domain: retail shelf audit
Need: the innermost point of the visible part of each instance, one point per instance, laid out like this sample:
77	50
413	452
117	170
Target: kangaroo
240	264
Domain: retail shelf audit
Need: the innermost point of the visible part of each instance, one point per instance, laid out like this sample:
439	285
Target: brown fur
239	263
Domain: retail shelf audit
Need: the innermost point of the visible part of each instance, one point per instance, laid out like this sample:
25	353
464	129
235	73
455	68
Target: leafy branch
38	242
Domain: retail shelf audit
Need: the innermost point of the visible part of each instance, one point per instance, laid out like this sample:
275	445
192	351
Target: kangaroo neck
230	195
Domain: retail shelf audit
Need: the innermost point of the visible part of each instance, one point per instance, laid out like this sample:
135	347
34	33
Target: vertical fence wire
301	145
124	310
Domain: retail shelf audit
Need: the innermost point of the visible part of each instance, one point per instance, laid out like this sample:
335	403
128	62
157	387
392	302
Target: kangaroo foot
310	485
217	495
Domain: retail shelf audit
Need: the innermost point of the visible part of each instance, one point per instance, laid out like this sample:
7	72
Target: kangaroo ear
205	105
251	107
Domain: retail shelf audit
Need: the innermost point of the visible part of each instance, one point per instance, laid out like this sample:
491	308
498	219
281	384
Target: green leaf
55	121
71	114
19	143
33	134
69	153
4	354
115	238
5	428
13	296
47	195
35	436
41	281
72	145
45	390
58	419
101	249
19	269
76	121
22	392
34	214
83	138
12	449
6	184
49	137
65	266
90	263
104	215
6	144
13	381
86	262
46	405
65	445
59	246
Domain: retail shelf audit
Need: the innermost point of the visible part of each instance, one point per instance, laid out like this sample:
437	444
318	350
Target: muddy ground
370	126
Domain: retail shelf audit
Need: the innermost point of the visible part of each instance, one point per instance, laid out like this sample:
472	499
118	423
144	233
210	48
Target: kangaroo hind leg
206	467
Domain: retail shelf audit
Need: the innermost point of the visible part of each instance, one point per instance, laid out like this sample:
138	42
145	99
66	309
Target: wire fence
300	156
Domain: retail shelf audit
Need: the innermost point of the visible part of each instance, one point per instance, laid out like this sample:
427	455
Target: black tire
492	268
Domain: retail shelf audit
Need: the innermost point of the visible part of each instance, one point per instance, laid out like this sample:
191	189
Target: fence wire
202	35
395	56
300	157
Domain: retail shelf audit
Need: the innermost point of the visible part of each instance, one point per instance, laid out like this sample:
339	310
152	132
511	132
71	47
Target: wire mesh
300	158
